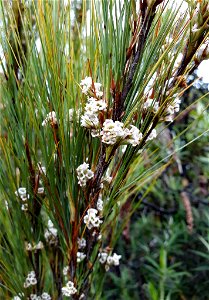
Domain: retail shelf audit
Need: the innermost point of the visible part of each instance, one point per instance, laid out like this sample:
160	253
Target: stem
146	21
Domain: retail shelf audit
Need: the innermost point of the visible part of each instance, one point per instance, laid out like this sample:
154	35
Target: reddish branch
147	17
36	211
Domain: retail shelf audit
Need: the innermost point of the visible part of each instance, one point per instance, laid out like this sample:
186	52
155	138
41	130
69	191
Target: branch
146	22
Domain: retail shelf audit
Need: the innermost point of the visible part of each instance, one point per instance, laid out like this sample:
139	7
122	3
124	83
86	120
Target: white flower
24	207
176	104
69	289
99	237
134	136
94	106
29	247
40	190
113	260
152	135
84	174
65	270
30	280
100	203
150	103
109	260
45	296
97	86
112	132
168	118
80	256
22	193
95	132
34	297
19	296
86	84
89	120
91	220
103	257
6	204
39	246
81	243
178	60
173	107
50	234
50	118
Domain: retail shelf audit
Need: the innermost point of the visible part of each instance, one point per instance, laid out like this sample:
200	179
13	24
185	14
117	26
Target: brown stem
36	211
56	266
146	22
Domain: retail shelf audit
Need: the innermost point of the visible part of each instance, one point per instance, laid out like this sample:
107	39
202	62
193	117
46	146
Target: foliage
158	241
65	173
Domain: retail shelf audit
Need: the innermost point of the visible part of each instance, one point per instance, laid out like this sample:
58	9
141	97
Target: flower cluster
91	219
151	105
103	257
22	193
50	234
65	270
50	118
89	120
109	260
30	280
134	136
100	203
84	174
81	243
19	296
24	196
89	87
112	132
86	84
34	247
93	107
172	108
69	289
80	256
44	296
152	135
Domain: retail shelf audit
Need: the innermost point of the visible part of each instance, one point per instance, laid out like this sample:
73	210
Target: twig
146	21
